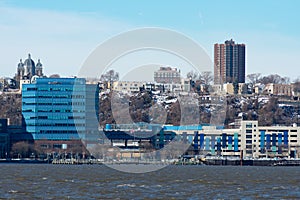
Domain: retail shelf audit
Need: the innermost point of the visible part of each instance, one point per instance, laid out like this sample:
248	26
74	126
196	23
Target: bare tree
285	80
110	76
253	78
54	76
206	77
270	113
22	149
192	75
273	78
297	87
244	89
11	107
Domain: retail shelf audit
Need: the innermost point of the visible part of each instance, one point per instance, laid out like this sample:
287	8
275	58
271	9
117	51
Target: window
42	117
31	89
293	135
59	146
44	146
249	125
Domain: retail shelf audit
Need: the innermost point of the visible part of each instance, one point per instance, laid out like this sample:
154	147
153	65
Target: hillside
142	106
165	108
11	107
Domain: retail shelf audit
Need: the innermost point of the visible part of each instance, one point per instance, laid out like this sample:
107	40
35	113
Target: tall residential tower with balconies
229	62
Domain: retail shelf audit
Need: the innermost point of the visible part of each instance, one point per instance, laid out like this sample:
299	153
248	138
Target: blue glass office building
60	108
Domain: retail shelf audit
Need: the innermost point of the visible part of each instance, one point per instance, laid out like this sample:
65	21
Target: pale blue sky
63	33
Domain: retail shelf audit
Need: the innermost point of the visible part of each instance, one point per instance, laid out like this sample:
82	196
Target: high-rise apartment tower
229	62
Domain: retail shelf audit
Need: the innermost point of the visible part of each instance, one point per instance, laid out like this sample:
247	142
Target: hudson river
42	181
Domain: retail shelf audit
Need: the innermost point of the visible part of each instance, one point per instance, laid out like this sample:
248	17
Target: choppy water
25	181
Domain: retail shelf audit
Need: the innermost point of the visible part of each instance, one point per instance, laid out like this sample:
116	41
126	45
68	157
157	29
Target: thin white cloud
61	39
201	17
54	22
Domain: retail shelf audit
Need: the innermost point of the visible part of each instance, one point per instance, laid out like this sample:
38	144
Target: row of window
55	125
276	140
125	84
165	74
58	146
55	89
289	136
250	136
59	117
276	130
45	89
60	124
46	104
61	131
55	104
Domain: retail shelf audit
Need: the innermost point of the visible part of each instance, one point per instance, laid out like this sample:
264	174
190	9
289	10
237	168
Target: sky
64	33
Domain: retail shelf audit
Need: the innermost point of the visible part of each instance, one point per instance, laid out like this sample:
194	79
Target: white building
167	75
127	86
279	89
246	140
228	88
186	84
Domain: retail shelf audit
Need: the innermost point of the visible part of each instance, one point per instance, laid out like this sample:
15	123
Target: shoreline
253	162
207	162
